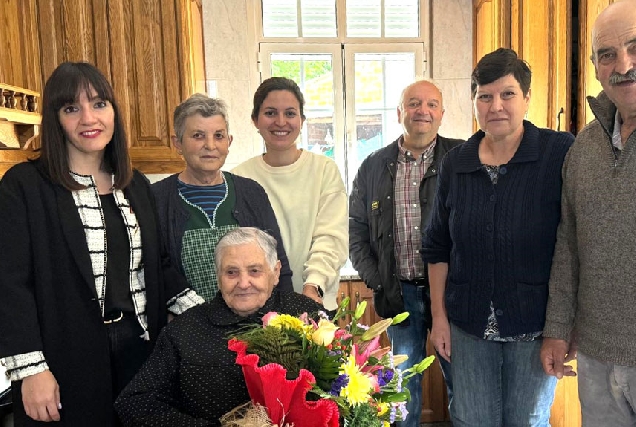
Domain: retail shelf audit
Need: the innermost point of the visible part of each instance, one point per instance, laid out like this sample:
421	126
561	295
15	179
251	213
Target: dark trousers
128	351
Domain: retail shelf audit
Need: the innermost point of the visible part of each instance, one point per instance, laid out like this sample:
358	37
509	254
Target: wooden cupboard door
536	24
491	26
587	84
145	48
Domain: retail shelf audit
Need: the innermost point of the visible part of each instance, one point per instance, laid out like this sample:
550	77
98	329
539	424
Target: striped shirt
207	197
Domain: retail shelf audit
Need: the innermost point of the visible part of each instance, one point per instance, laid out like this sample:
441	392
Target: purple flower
338	384
403	411
384	377
392	415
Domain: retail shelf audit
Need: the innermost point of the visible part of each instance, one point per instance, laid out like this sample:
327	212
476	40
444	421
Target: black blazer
49	302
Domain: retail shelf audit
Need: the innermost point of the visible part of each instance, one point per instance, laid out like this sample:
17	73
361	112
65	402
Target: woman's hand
310	290
440	336
41	397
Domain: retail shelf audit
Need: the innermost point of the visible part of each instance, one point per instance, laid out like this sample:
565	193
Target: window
351	59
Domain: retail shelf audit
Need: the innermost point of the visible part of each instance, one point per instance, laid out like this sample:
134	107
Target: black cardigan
498	239
49	302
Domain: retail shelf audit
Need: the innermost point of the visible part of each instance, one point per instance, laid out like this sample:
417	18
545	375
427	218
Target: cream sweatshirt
310	203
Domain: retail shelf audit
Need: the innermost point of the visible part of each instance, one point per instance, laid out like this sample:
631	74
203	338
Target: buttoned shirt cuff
24	365
184	301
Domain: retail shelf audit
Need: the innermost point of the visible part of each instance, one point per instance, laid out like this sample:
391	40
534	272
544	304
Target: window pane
318	18
280	18
363	18
401	18
314	75
379	80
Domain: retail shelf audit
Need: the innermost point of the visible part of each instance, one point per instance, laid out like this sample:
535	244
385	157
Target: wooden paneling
19	63
491	29
150	50
535	25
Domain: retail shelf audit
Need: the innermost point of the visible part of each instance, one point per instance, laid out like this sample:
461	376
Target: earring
179	152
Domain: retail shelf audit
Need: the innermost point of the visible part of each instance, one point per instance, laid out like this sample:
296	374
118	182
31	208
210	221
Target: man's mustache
617	78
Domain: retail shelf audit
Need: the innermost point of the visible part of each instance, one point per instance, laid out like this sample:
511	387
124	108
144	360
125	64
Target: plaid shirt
408	213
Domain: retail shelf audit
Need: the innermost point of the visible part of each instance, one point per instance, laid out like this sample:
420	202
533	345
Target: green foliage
282	346
362	416
292	68
323	365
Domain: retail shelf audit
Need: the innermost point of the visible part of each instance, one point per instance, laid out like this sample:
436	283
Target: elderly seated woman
191	378
199	205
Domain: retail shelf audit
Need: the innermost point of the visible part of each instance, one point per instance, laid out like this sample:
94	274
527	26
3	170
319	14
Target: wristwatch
318	288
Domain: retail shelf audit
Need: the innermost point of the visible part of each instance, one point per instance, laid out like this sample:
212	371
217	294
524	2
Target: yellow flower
359	386
383	408
325	333
288	322
386	424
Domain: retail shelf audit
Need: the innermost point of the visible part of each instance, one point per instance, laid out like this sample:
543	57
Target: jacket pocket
376	224
533	299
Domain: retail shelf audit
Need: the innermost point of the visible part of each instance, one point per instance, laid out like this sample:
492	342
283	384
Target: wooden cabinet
434	398
151	51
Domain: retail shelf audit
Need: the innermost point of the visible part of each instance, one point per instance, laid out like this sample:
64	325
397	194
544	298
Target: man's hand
311	291
440	336
554	354
41	397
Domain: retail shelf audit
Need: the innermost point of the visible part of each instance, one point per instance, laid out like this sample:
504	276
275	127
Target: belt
420	281
114	318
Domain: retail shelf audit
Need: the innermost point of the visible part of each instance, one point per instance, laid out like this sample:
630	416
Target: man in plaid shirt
389	209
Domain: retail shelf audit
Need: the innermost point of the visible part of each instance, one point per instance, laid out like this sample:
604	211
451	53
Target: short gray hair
198	104
245	236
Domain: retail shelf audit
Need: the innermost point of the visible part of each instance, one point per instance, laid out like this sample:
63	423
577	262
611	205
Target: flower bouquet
307	373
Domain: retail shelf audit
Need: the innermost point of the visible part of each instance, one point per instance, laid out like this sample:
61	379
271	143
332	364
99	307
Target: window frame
341	28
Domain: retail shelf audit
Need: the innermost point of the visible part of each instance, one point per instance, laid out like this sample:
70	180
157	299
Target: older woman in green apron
201	204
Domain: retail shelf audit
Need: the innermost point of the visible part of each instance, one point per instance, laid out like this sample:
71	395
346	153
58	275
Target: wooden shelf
19	116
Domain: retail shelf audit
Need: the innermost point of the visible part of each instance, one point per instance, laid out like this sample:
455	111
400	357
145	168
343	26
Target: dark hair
498	64
63	87
277	83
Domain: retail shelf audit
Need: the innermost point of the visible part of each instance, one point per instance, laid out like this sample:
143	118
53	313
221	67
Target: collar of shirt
616	135
406	156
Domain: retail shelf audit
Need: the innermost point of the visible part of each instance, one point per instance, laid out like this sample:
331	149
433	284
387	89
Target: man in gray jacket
389	207
592	301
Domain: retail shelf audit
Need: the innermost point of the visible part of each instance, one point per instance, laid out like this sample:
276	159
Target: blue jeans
498	384
607	393
411	341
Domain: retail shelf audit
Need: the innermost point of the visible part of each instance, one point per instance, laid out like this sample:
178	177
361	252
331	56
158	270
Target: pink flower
268	317
365	350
